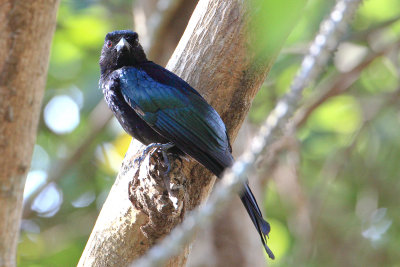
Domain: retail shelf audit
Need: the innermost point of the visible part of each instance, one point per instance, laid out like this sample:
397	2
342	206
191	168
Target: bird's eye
109	44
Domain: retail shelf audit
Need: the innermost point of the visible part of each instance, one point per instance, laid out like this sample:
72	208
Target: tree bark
213	57
26	31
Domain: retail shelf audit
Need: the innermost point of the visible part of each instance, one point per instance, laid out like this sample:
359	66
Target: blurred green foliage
341	207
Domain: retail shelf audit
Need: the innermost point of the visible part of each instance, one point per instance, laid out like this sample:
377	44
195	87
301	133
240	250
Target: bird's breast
127	117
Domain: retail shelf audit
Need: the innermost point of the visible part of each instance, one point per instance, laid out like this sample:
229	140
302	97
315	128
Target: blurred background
330	186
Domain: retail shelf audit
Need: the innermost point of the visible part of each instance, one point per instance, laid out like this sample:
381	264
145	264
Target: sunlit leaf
340	114
380	9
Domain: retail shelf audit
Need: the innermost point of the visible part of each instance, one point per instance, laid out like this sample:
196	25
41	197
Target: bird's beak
121	44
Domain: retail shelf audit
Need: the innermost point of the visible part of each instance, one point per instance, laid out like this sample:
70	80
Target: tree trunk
26	31
213	57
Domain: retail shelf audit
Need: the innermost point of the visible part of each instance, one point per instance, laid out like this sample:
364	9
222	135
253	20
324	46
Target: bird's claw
163	148
158	146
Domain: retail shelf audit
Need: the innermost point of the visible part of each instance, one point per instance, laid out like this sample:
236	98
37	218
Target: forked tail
262	226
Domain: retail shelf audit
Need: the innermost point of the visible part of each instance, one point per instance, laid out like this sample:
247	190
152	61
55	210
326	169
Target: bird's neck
105	73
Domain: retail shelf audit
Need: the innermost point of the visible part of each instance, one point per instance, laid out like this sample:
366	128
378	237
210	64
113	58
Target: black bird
156	106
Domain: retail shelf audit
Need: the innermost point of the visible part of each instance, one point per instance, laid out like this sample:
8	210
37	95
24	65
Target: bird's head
120	49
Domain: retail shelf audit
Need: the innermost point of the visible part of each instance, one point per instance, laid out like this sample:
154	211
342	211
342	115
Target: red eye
109	44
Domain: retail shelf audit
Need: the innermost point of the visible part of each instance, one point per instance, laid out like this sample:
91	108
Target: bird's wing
177	112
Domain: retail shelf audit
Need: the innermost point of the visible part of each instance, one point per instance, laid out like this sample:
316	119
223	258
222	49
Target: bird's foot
153	146
163	149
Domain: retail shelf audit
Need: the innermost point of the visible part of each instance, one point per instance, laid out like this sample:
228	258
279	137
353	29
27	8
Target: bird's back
177	112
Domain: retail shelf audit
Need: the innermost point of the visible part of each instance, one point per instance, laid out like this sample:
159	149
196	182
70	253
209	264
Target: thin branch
335	86
340	84
324	43
361	36
59	169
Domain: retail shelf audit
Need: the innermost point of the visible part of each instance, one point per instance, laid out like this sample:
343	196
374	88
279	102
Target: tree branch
339	84
98	120
25	36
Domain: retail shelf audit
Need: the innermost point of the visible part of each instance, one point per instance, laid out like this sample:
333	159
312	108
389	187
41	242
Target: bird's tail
262	226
